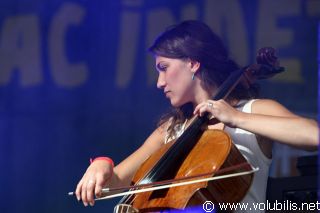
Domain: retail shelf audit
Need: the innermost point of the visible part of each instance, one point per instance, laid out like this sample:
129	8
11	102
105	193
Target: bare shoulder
270	107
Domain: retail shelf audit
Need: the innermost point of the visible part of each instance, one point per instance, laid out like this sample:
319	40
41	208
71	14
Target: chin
176	104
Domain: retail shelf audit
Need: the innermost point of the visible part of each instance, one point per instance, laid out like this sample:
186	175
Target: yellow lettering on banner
293	71
127	52
270	34
130	26
64	73
226	19
20	47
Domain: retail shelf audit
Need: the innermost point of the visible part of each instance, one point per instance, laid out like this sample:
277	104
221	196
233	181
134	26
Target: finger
99	184
209	106
196	109
84	193
200	106
78	189
90	189
204	109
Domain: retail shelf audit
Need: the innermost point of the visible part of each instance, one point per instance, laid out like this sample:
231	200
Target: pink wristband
109	160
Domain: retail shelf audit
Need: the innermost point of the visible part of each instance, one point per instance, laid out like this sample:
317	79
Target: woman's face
175	79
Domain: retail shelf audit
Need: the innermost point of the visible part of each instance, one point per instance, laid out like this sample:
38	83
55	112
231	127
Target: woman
192	63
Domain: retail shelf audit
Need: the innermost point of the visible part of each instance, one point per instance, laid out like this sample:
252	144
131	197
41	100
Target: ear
195	66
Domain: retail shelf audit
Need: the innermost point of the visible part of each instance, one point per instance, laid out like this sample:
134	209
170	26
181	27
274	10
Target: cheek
177	76
180	82
172	76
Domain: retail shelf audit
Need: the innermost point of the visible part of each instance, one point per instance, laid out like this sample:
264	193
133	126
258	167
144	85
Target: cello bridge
124	208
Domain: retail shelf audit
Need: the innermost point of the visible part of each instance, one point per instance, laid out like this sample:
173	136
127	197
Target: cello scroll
266	67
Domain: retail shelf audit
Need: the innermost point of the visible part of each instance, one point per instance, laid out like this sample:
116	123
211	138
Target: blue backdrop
76	81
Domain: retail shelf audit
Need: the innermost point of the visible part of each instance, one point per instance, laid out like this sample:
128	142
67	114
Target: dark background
77	82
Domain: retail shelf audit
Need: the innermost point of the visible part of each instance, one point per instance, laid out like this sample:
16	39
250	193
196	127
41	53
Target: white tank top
247	144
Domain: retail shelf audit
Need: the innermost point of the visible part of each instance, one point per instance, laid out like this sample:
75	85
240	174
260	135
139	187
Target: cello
198	154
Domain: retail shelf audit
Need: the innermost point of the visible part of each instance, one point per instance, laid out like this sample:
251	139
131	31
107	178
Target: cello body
213	151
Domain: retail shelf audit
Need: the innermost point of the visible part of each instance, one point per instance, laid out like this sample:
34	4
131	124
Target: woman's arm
100	174
268	118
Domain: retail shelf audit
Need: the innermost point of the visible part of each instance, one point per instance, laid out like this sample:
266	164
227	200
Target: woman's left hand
220	110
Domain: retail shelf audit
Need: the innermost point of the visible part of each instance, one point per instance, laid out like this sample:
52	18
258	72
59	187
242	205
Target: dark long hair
196	41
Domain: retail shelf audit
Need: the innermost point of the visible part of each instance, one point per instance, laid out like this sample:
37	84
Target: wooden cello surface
198	152
213	151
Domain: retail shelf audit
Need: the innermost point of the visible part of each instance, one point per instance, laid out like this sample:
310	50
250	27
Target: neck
201	94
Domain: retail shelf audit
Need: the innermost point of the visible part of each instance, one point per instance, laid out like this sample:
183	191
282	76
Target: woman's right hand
93	181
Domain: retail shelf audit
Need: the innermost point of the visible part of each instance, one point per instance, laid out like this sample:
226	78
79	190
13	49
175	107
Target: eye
162	67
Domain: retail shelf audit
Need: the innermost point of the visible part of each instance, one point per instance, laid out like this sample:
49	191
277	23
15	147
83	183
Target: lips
167	93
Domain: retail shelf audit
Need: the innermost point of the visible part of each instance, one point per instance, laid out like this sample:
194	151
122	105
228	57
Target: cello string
177	184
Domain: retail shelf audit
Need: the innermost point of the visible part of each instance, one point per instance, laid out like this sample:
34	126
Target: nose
161	83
